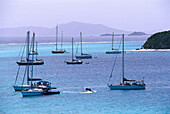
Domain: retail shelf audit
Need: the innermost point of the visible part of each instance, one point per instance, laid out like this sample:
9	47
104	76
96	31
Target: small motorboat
88	90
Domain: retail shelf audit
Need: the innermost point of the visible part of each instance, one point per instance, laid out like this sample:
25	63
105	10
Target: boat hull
124	87
84	56
113	52
27	94
58	51
22	87
51	93
30	63
74	62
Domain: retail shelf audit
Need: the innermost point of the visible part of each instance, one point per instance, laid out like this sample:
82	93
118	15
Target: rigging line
36	49
25	74
33	38
77	48
113	65
21	50
31	46
17	75
61	40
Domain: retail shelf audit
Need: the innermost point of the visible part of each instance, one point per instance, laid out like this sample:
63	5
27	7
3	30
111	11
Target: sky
132	15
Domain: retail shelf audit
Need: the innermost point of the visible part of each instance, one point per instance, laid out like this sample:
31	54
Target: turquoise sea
70	80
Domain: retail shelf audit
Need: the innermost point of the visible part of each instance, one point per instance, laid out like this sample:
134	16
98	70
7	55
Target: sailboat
58	51
28	61
134	85
74	61
83	56
38	82
113	51
40	89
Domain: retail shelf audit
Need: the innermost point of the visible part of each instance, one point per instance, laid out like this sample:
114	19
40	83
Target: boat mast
123	57
27	56
72	49
112	40
56	36
32	57
36	50
61	39
81	42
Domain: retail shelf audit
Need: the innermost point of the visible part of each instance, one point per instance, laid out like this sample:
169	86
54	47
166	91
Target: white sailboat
39	89
74	61
28	53
83	56
134	85
58	51
113	51
38	82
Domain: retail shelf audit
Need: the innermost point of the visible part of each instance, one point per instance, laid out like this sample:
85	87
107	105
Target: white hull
126	87
32	92
23	87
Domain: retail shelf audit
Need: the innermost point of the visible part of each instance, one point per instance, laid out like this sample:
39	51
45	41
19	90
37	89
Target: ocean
71	80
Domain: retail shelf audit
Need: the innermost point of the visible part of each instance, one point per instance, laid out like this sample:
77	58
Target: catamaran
58	51
83	56
74	61
28	61
113	51
134	85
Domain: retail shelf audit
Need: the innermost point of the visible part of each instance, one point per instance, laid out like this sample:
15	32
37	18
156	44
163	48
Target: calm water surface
71	79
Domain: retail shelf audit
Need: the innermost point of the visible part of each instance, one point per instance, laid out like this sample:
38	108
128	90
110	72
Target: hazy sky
139	15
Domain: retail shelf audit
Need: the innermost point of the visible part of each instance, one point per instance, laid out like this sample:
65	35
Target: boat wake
84	92
94	91
70	92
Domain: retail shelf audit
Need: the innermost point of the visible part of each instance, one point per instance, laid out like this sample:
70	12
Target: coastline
147	50
104	42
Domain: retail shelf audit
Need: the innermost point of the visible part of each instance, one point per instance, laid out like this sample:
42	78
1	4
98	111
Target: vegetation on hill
160	40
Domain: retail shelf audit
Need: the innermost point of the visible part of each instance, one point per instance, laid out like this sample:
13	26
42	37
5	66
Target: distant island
137	33
110	34
70	29
160	40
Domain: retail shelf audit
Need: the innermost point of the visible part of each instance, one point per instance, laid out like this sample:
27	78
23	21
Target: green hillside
160	40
